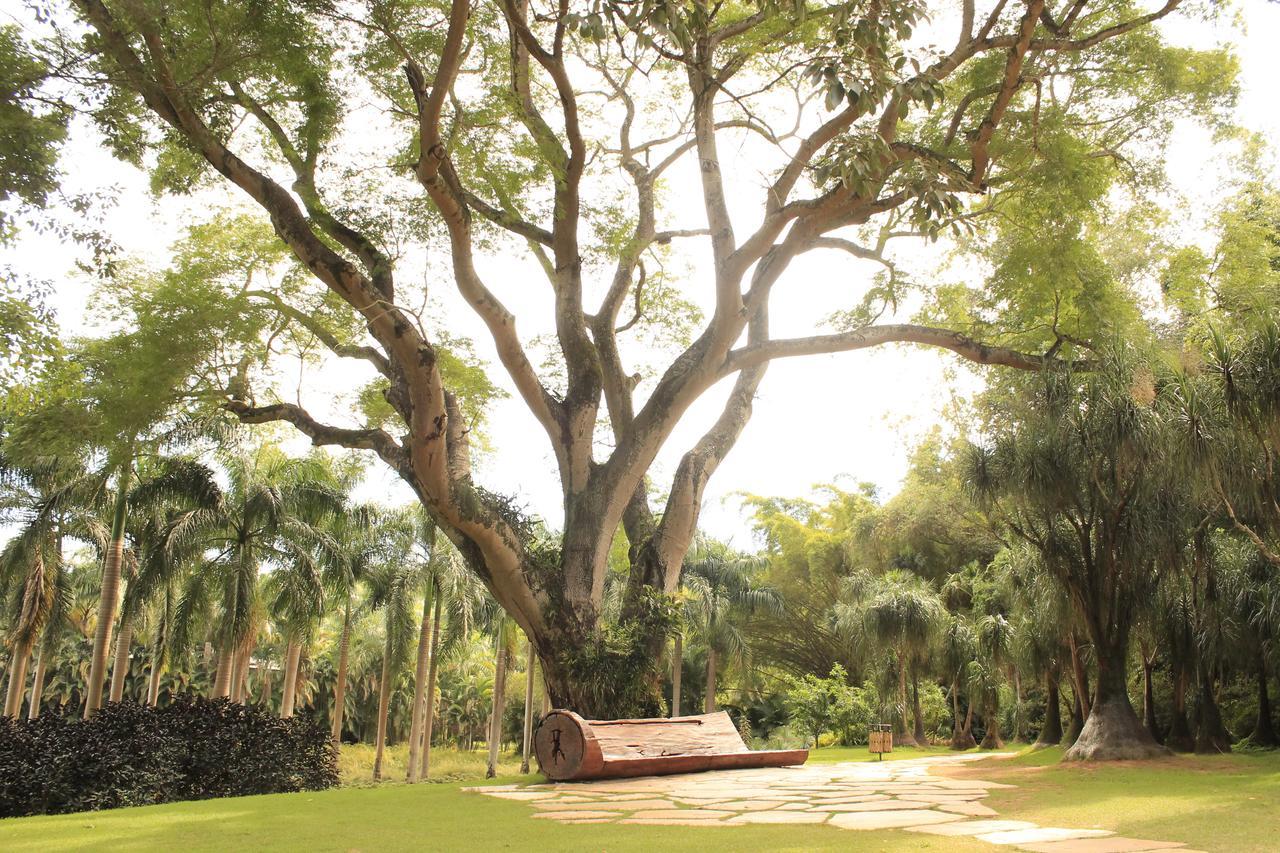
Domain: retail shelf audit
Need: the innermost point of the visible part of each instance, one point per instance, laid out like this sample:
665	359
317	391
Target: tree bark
1211	736
919	733
992	739
1113	731
961	729
1149	701
1264	733
1051	731
499	705
526	745
18	663
709	700
293	657
384	703
157	671
340	684
1019	723
677	671
108	599
37	683
419	690
902	736
120	665
1081	677
1180	738
432	672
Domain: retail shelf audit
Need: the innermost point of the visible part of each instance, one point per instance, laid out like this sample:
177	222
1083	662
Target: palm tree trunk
1211	735
919	733
1179	737
499	705
961	734
429	712
1019	728
37	683
709	702
527	744
1051	731
120	667
17	678
340	686
1264	734
677	670
1081	677
384	702
157	671
419	690
903	735
992	739
110	593
293	654
1149	699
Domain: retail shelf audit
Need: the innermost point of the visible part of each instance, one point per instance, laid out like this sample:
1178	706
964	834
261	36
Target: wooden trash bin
569	747
880	740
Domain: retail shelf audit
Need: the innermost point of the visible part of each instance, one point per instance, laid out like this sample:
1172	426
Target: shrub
129	755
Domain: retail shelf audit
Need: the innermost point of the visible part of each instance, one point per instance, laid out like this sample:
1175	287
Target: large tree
524	125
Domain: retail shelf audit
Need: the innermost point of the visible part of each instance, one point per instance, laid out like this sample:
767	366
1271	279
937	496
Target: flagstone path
899	794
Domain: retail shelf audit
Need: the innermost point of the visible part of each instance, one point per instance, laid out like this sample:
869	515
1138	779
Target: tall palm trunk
18	678
384	702
527	741
1264	734
709	702
240	679
293	655
157	671
677	670
1019	723
1051	731
961	731
429	712
340	686
419	690
37	683
499	705
120	666
109	596
919	732
991	716
1149	699
903	735
1081	678
1179	737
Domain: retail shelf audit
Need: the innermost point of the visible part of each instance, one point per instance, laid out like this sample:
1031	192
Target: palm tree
270	512
958	647
995	641
720	587
900	612
504	632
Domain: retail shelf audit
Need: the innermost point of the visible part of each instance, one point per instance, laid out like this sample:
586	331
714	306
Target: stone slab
778	817
890	820
1041	835
969	809
682	814
973	827
575	815
1114	844
629	805
671	821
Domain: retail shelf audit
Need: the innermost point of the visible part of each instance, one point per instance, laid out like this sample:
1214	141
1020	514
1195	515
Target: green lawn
1222	803
1229	802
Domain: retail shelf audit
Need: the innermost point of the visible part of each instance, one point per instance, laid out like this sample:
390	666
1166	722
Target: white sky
842	418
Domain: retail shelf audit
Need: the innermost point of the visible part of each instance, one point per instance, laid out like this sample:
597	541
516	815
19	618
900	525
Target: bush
131	755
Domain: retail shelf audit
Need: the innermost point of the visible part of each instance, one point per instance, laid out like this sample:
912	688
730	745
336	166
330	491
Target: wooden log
569	747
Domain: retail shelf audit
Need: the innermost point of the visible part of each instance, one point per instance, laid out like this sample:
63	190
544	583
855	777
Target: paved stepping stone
778	817
890	820
576	815
665	821
974	827
523	795
1037	836
1114	844
970	809
609	807
682	814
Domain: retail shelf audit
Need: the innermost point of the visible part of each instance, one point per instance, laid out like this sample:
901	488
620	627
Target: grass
1227	802
1212	803
355	764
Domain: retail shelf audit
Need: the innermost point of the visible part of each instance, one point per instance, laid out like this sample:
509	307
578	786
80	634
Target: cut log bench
568	747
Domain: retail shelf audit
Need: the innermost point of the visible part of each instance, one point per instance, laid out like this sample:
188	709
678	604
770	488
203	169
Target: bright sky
842	418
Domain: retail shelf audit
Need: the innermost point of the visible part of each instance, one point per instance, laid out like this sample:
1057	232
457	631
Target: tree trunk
1264	734
1077	722
992	739
340	684
108	598
1211	735
1179	737
1019	723
1051	731
120	666
17	678
961	729
902	736
37	683
288	698
240	677
527	743
419	690
1113	731
499	705
1149	701
677	670
1081	677
430	711
919	733
384	703
709	700
157	671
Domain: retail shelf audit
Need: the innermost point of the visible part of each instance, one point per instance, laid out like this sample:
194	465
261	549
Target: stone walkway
854	795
